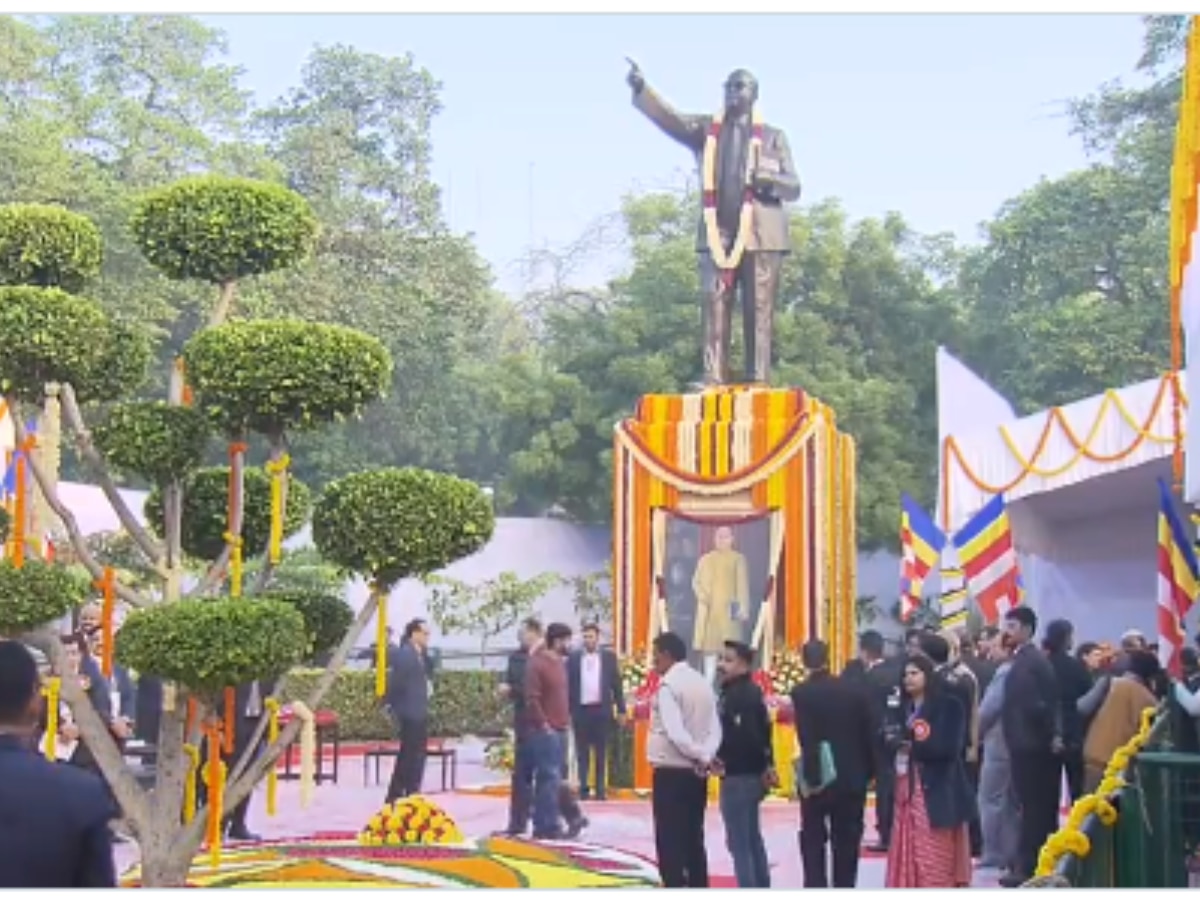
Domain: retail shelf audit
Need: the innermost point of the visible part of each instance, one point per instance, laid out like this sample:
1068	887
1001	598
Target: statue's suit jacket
769	230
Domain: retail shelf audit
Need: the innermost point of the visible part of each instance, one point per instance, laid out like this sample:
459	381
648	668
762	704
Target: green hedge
464	702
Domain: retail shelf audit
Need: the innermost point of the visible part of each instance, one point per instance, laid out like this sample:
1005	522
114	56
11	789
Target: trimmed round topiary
206	506
209	645
50	335
275	376
127	354
327	617
219	229
153	439
48	246
37	593
390	524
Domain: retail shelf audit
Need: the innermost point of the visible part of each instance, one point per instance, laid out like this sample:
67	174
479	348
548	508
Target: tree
593	597
488	609
296	378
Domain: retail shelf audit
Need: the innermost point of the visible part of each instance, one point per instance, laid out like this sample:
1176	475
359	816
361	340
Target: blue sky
939	117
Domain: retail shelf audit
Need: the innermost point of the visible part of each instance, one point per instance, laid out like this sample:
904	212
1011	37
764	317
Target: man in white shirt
594	683
685	734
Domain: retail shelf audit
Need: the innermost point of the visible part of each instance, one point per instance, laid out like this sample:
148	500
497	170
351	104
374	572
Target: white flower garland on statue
728	261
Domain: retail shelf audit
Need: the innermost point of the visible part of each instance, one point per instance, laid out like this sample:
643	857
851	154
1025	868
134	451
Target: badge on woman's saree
920	730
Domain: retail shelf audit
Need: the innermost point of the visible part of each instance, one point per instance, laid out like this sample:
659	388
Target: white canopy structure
1079	483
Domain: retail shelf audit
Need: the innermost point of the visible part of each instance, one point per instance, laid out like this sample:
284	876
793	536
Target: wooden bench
327	731
434	749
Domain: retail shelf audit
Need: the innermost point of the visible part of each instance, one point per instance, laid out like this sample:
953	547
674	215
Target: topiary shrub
50	335
209	645
48	246
391	524
206	507
37	593
219	229
126	357
327	617
153	439
5	524
275	376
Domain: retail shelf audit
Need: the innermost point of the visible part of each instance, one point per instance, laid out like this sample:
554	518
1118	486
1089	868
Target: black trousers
832	817
679	799
591	727
1072	763
974	825
885	796
1036	778
409	773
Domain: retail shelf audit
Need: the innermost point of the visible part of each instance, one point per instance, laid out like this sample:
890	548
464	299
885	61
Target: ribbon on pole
216	794
277	468
51	692
192	752
107	585
381	641
272	706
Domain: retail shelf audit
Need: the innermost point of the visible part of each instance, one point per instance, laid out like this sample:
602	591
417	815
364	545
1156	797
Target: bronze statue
747	175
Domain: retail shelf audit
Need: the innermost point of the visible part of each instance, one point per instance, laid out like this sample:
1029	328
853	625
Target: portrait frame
762	634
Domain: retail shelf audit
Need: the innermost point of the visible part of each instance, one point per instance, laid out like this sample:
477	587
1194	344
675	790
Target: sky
941	118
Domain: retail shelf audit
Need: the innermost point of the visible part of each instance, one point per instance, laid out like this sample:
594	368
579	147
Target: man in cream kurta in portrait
722	588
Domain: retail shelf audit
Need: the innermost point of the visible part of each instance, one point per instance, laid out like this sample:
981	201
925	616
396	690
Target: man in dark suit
879	677
596	697
770	178
838	713
1032	721
408	700
54	819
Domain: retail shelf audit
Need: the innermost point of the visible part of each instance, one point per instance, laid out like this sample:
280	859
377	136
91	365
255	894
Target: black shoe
877	848
548	836
511	832
243	834
600	798
1011	881
575	828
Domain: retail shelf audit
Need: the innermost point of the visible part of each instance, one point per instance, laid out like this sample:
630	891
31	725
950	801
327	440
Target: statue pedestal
762	479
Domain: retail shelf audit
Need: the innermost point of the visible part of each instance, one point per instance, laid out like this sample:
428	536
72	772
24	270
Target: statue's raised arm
689	130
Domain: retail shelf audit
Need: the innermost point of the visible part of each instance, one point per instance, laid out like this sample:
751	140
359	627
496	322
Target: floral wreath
727	262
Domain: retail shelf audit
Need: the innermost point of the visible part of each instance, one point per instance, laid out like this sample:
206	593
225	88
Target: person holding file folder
835	725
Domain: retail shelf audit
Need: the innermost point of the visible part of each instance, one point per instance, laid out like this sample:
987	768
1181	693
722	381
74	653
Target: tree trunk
225	297
164	864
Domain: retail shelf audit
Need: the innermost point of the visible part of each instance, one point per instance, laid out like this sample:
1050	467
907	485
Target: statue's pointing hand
635	79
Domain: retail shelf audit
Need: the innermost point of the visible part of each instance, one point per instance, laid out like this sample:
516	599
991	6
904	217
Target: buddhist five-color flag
989	561
921	543
1178	580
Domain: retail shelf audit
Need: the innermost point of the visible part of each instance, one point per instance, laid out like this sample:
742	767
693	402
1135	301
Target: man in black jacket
54	819
1031	717
746	762
597	700
880	678
835	712
408	700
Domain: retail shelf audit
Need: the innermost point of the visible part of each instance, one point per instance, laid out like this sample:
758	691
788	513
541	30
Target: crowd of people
968	743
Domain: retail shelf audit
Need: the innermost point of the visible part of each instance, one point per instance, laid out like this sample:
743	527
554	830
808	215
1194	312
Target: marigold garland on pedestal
413	820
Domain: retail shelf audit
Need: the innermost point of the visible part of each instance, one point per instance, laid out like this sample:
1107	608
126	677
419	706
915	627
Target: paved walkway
623	824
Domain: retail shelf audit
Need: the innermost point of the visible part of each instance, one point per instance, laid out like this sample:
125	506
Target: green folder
828	772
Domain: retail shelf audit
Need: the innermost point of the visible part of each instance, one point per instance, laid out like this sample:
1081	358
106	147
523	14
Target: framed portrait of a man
715	576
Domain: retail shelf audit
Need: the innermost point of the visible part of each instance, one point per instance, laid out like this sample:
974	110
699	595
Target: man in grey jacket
408	700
